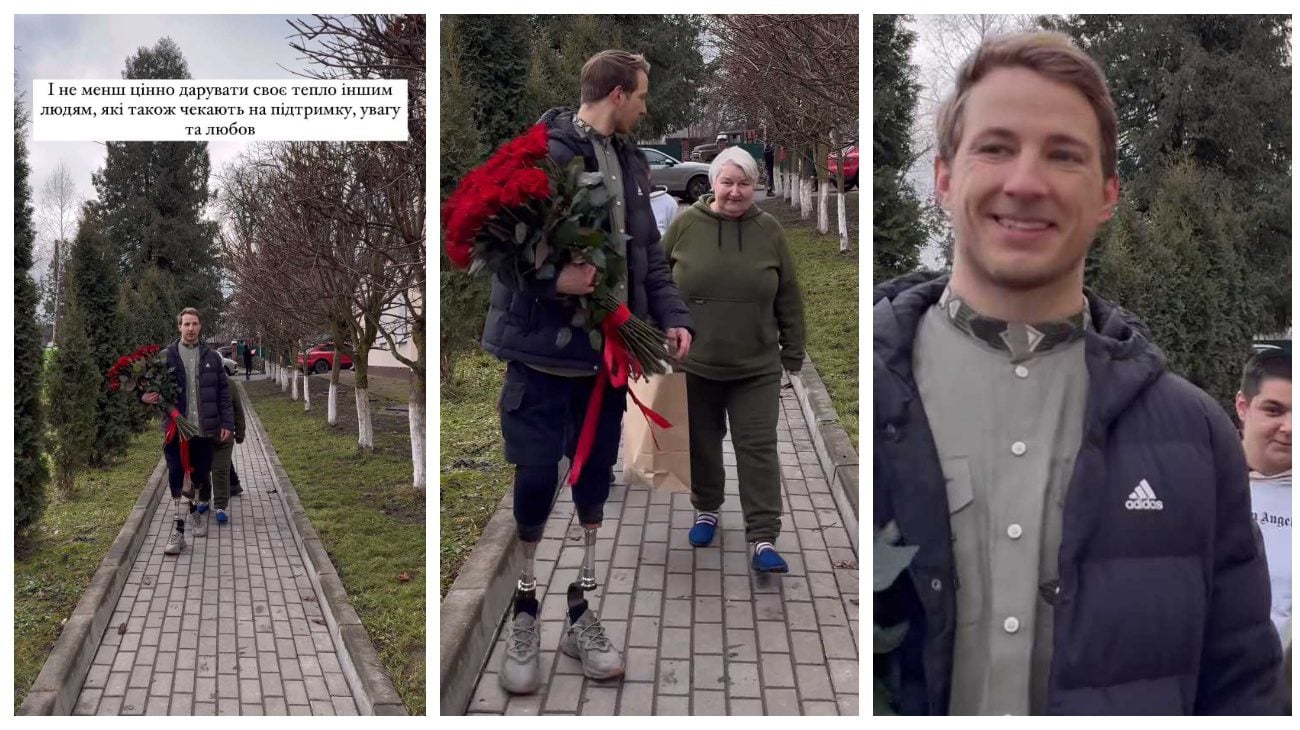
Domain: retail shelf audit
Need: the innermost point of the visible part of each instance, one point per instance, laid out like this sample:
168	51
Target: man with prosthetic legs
550	380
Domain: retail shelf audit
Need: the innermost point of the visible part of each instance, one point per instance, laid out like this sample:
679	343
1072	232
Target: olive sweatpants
751	406
221	458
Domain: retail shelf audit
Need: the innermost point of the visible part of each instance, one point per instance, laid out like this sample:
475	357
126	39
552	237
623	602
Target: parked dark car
320	358
686	180
705	152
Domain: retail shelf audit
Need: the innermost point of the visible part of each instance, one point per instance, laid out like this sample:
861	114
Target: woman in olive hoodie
732	264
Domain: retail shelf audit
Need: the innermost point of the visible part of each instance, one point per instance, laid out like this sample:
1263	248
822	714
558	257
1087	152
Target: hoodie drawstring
740	235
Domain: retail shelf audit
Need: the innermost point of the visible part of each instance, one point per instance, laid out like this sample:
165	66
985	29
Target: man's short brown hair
1052	55
607	70
188	310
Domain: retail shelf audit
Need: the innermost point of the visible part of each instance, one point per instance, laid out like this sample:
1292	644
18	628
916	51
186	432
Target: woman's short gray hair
734	156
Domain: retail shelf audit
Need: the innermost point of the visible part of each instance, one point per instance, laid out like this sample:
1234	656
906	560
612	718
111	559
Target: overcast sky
97	46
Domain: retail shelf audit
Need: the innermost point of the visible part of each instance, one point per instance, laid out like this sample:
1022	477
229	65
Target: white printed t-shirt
1270	505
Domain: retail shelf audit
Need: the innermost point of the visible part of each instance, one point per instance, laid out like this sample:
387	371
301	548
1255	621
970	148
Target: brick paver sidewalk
702	634
231	626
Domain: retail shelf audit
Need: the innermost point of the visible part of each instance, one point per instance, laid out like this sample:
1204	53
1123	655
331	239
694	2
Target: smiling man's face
1266	426
1025	188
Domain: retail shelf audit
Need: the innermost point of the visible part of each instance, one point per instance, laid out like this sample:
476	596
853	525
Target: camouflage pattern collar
589	131
1023	341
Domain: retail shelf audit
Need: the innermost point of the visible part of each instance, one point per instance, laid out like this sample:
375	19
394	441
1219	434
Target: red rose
535	183
536	142
511	195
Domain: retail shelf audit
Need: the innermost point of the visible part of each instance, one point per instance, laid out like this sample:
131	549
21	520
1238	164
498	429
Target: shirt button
936	584
1011	625
1022	371
1014	532
1019	448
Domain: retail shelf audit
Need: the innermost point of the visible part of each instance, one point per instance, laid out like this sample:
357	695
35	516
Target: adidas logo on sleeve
1143	498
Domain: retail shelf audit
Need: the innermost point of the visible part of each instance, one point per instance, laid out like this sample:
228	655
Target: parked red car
320	358
850	167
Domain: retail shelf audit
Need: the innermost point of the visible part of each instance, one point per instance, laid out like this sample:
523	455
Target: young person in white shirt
1264	408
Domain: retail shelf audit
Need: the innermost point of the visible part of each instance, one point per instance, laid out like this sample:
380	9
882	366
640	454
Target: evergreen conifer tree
899	224
152	199
73	388
30	473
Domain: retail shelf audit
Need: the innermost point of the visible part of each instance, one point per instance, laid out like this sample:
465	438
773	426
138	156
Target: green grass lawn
474	473
53	565
829	280
369	518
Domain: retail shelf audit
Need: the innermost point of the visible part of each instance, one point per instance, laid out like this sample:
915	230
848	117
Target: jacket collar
175	346
1118	348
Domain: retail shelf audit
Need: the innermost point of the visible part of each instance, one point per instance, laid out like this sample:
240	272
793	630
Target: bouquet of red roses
146	370
521	216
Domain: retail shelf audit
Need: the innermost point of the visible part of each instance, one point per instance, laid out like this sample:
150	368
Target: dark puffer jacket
524	325
1158	612
215	407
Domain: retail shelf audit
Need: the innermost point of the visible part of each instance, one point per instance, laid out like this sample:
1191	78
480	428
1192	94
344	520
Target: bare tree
58	216
391	270
799	73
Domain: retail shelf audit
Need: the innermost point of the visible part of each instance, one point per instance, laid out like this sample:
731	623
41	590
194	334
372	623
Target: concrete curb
839	460
373	689
56	688
471	611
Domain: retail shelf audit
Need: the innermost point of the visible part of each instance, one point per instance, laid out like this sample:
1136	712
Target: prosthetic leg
526	587
176	541
587	579
520	663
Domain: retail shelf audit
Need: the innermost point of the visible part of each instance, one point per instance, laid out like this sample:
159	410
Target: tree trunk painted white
332	406
844	223
284	379
416	411
805	198
365	430
293	389
306	393
823	215
790	187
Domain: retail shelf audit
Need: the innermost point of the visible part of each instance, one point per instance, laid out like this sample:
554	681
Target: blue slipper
706	526
768	560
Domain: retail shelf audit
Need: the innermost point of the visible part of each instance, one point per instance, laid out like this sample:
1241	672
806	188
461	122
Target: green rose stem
646	344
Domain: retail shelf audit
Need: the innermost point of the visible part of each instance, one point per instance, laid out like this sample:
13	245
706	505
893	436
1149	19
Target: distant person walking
769	158
248	359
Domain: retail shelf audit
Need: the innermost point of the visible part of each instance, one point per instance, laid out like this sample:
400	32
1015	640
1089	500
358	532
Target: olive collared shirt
190	361
1007	436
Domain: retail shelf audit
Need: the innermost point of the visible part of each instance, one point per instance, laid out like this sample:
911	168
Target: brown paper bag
657	457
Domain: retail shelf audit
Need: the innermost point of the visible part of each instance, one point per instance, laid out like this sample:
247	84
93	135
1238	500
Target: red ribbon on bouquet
613	371
173	431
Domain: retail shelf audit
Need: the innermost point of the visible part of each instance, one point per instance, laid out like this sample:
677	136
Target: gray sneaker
199	521
520	669
586	641
175	543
